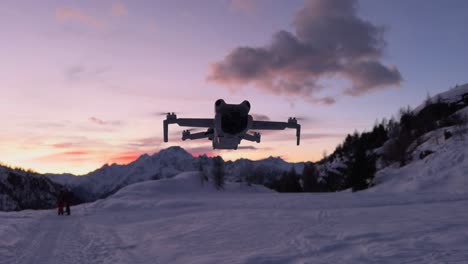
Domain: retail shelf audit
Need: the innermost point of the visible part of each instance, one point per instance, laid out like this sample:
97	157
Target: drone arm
195	122
187	135
272	125
190	122
268	125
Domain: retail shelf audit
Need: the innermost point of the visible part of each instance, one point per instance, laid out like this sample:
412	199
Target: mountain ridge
164	164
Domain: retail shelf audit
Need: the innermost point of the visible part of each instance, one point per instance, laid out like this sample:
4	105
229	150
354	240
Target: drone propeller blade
299	118
164	113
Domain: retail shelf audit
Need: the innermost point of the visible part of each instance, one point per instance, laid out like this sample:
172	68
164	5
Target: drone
230	125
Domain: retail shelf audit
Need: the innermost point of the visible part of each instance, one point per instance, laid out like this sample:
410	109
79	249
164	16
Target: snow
445	170
453	95
179	220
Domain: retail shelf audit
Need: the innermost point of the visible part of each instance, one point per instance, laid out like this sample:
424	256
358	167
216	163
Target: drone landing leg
187	135
255	137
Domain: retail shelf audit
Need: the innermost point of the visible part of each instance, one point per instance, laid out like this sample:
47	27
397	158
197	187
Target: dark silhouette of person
67	200
60	202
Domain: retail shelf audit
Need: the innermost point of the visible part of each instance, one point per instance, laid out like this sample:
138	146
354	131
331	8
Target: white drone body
230	125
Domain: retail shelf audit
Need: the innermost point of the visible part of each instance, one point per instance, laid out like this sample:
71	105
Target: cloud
67	142
201	150
329	41
74	72
245	6
97	121
75	14
102	122
150	142
306	136
67	156
64	145
126	157
45	124
78	73
119	9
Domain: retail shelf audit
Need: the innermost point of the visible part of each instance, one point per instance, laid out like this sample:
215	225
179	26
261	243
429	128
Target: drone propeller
300	118
165	113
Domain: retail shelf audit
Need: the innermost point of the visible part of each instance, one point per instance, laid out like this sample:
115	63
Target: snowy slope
158	222
445	170
453	95
143	194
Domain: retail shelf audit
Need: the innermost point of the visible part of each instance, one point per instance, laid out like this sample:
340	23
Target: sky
84	82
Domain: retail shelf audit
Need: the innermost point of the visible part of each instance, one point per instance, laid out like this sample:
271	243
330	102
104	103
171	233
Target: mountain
110	178
165	164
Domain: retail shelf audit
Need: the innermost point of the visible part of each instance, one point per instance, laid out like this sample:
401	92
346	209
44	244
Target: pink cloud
75	14
102	122
97	121
119	9
68	156
126	157
245	6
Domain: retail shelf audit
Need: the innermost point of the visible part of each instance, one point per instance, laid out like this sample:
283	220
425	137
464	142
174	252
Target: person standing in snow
67	202
60	202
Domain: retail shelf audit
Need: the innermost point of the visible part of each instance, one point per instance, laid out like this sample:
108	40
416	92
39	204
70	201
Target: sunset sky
83	82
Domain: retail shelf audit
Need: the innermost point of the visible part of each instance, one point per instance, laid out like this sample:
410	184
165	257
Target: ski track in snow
245	228
67	240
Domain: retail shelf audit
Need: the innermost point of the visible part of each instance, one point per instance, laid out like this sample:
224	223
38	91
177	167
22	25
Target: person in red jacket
60	202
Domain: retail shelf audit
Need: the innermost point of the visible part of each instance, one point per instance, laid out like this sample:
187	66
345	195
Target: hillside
444	170
421	149
20	189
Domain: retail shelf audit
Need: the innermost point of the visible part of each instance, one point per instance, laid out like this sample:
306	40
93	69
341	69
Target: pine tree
361	169
218	172
309	178
246	174
290	182
201	171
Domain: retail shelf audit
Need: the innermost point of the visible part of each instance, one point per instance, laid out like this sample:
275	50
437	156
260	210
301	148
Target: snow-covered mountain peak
172	152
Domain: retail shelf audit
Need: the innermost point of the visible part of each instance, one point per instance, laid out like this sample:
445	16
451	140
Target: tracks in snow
68	240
